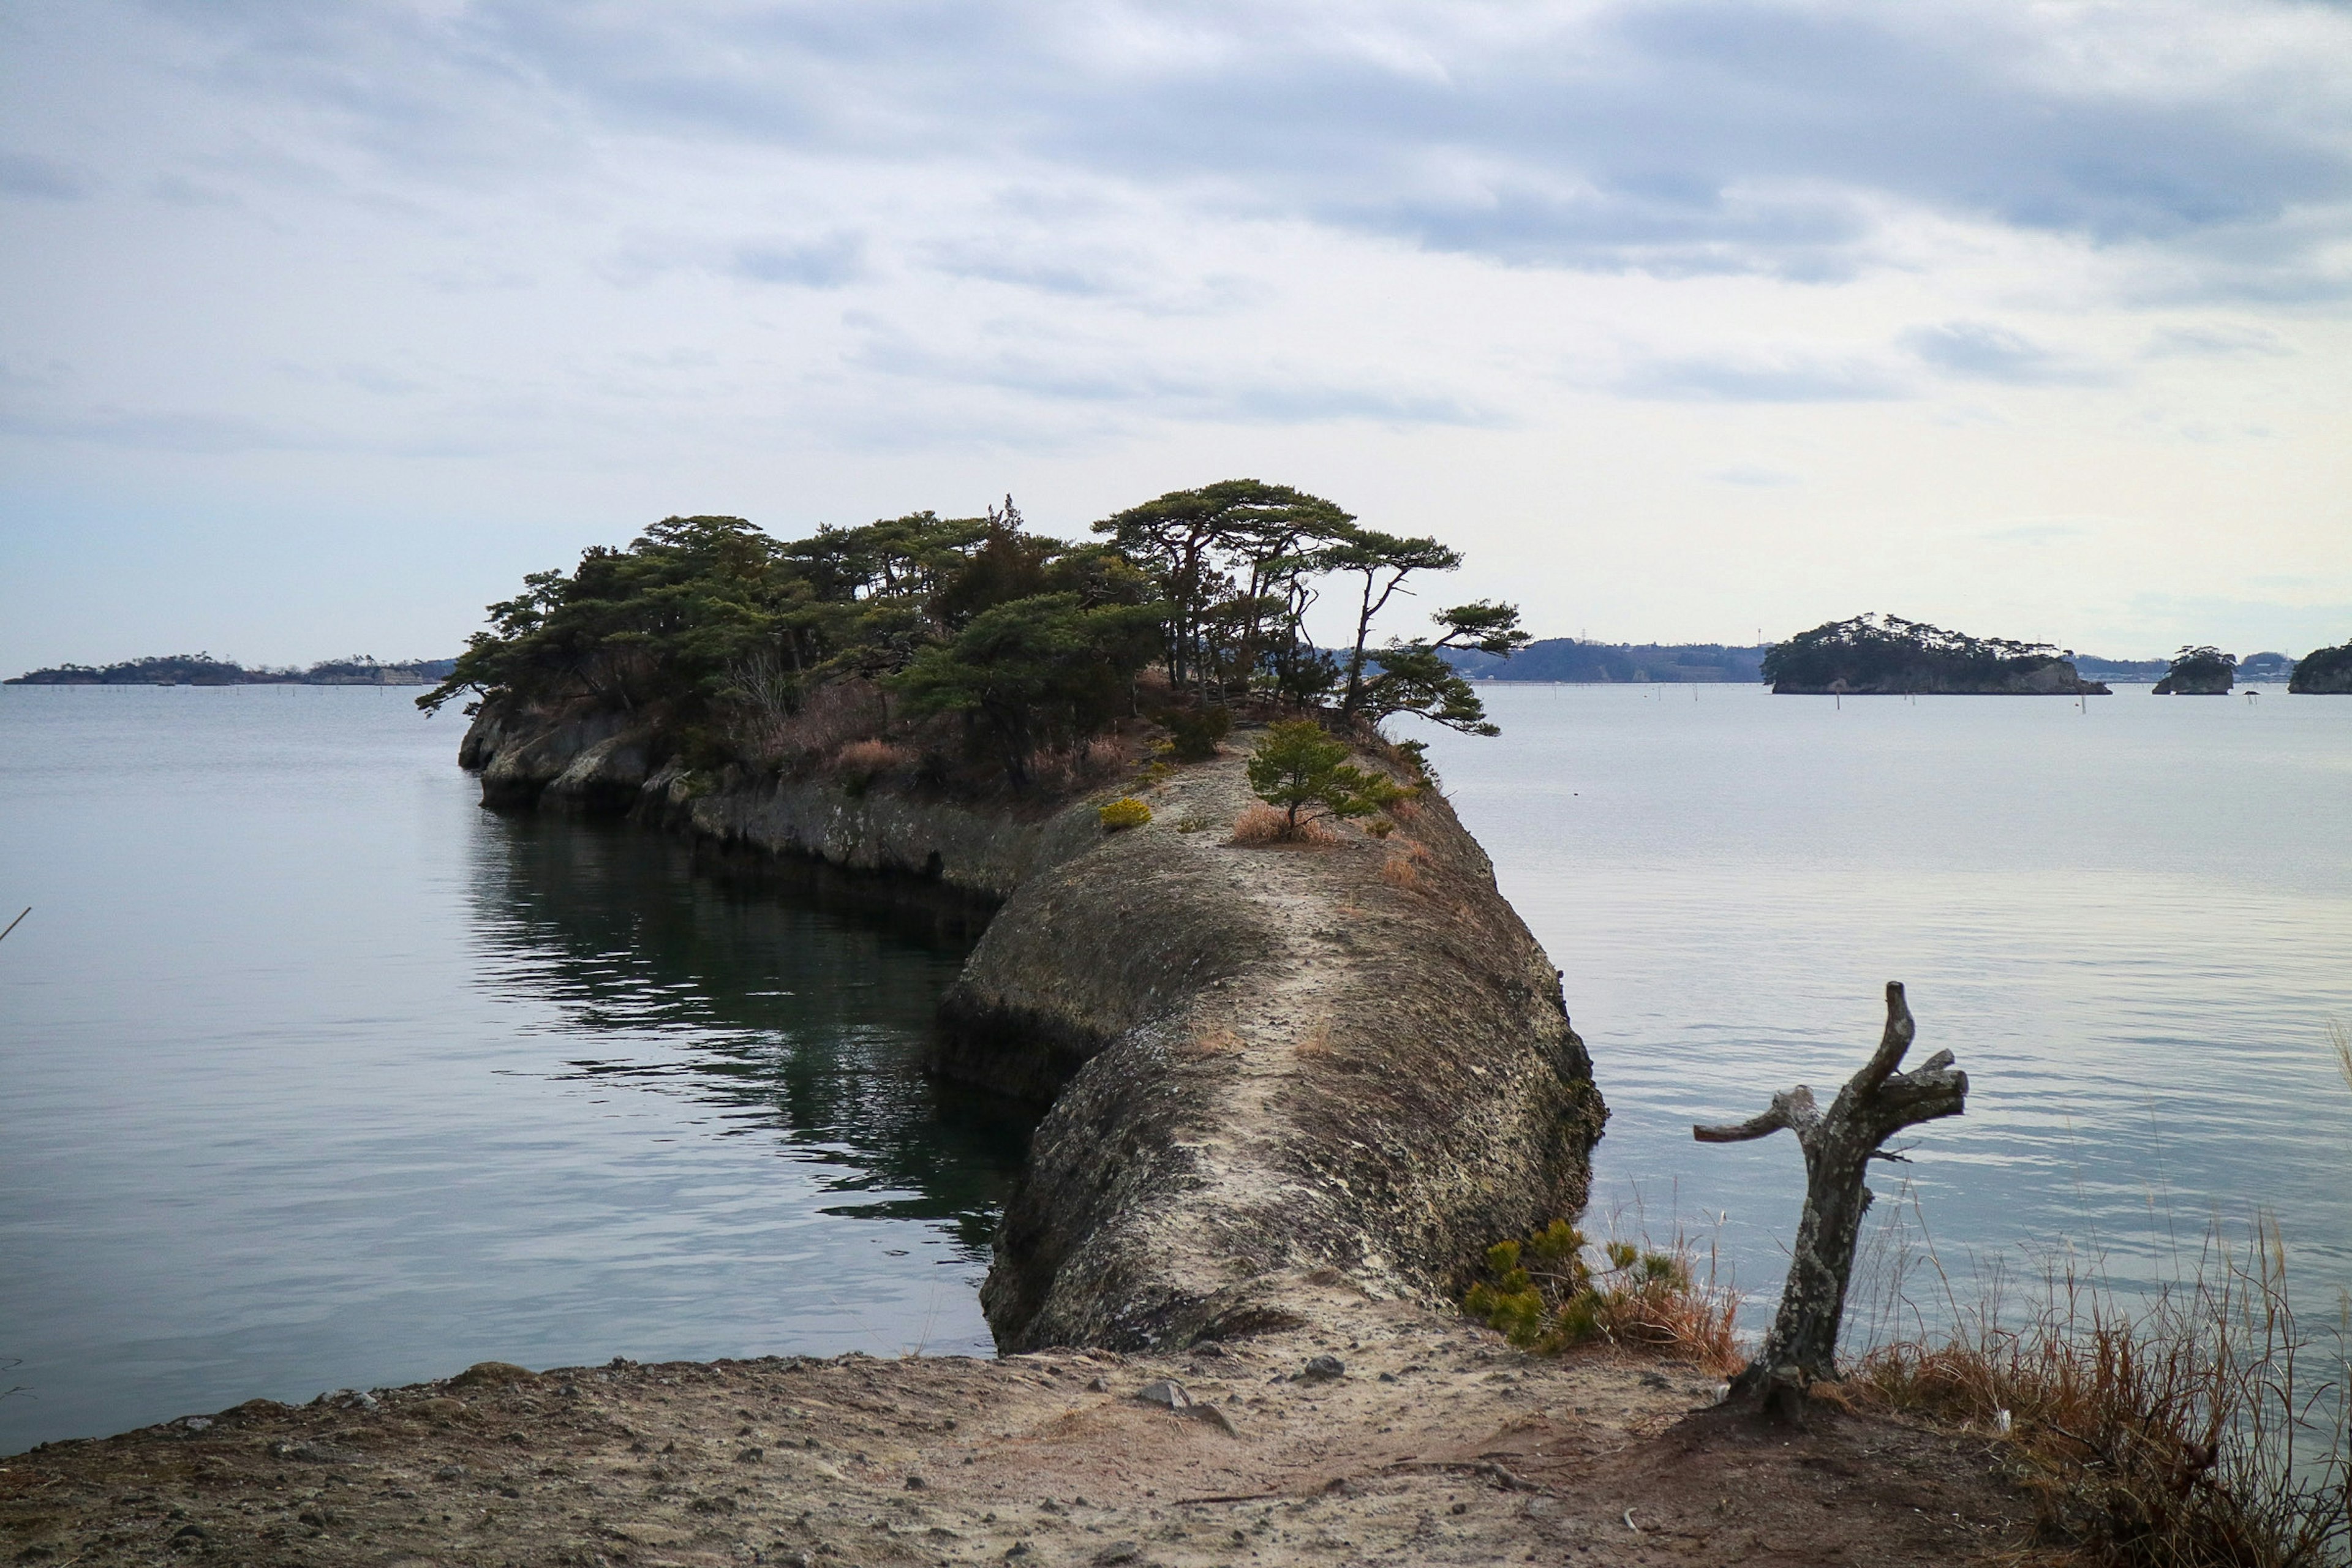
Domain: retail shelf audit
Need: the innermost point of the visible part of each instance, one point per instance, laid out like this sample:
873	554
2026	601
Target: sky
320	325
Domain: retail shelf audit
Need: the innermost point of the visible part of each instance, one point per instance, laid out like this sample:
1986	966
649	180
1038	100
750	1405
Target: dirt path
1436	1445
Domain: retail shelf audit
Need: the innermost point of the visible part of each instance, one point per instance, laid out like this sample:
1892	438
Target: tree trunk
1878	1102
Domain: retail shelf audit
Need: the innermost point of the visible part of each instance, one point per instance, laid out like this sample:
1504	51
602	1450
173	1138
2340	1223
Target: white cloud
1949	261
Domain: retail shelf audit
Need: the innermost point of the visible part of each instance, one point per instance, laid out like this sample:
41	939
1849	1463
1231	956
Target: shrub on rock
1304	774
1124	813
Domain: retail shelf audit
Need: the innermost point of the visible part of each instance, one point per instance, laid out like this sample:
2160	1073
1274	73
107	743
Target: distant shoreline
203	669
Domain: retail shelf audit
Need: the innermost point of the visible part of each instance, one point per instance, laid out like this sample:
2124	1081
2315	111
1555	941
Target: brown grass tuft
835	714
2185	1431
1219	1042
1398	871
870	758
1261	824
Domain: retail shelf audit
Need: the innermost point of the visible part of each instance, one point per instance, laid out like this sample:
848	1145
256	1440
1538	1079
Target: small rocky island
2201	671
1886	655
2326	671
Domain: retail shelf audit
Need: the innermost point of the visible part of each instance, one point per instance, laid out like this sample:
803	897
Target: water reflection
792	1001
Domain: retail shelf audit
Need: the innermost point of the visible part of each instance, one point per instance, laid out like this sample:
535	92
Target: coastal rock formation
1270	1065
1886	656
1349	1061
2199	672
2323	671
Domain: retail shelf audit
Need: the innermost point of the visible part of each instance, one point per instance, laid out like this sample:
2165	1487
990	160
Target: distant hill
2253	666
1573	661
203	669
2096	669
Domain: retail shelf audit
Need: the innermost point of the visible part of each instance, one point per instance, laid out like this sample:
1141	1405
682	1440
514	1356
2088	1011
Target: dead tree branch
1838	1146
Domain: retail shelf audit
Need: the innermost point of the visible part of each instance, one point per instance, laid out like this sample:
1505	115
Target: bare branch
1900	1031
1792	1108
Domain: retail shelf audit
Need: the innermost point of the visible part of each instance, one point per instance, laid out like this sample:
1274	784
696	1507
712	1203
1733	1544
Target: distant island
2323	671
1888	654
2199	672
203	669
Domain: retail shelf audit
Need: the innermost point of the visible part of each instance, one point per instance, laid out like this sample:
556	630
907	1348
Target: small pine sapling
1304	774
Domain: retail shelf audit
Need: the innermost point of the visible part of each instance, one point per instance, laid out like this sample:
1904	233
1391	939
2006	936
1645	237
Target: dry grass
2339	1041
1218	1042
1074	769
835	715
1262	824
2200	1427
869	759
1399	871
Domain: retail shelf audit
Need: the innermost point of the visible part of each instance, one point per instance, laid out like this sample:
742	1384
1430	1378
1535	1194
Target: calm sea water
316	1075
2131	922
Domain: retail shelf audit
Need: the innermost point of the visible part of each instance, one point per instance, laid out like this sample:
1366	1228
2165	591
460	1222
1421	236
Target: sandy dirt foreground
1436	1443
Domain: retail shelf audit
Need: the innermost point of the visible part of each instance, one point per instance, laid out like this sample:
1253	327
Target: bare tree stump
1877	1104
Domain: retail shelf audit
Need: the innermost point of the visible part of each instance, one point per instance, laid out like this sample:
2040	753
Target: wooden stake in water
17	922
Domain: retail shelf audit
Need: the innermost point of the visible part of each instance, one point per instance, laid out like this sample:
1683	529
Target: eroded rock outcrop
1300	1064
1273	1069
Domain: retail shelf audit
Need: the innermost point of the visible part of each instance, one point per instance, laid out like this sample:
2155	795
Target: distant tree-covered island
203	669
2198	672
1888	654
2324	672
964	653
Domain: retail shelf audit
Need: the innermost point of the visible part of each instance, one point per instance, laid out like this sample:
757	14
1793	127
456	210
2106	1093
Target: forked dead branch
1838	1144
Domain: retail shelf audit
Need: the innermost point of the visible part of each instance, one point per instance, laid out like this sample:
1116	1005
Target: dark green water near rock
317	1075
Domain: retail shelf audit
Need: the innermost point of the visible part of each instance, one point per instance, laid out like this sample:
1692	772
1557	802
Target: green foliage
735	647
1194	732
1124	813
1306	772
1544	1296
1231	561
1413	678
1381	562
1489	627
1527	1285
2201	662
1034	670
2323	669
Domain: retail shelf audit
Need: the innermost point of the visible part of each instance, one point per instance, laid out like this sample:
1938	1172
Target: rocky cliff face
1295	1066
1275	1070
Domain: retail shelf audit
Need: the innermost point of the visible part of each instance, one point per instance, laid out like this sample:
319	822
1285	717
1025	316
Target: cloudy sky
320	324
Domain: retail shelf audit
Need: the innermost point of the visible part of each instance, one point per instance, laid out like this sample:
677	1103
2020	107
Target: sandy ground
1436	1443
